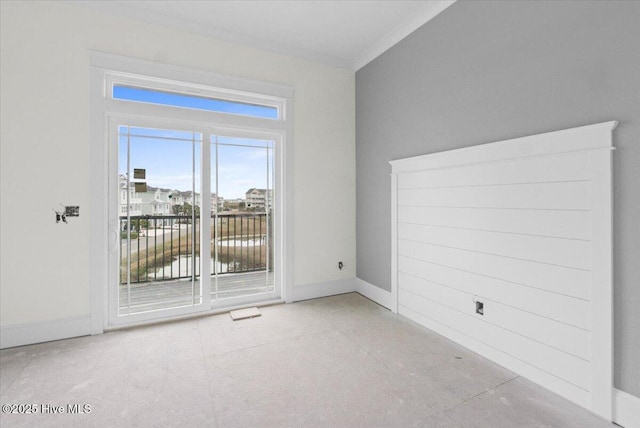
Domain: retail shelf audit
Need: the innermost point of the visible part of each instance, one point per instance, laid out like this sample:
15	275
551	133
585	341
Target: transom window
187	150
153	96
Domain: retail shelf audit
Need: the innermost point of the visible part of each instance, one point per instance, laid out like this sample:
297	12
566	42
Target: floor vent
242	314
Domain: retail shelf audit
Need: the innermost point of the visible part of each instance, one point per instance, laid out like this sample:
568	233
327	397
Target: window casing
109	70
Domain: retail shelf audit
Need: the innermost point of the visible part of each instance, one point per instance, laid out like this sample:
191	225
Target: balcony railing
167	247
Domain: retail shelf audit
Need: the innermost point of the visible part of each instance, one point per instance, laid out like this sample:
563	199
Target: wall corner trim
626	409
382	297
323	289
44	331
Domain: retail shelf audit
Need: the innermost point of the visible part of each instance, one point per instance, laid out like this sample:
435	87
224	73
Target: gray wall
488	71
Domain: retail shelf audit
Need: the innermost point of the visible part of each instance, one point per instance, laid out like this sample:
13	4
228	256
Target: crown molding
427	13
133	12
123	9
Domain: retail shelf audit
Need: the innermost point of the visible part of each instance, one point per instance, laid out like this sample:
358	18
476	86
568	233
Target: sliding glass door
159	219
242	233
196	221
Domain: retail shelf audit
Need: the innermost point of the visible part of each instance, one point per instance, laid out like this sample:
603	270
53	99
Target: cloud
242	182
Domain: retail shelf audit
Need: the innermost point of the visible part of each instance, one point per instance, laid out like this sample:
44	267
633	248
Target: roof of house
261	191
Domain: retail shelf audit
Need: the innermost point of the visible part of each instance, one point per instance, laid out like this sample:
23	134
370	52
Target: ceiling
341	33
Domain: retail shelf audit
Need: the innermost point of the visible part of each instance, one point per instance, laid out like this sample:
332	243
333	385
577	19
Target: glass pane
191	101
246	142
159	177
242	239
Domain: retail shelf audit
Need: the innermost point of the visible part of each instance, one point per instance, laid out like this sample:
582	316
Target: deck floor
166	294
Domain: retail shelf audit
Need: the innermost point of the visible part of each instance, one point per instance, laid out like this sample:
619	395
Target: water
182	266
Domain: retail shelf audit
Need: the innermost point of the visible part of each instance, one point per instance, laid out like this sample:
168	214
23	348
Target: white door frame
279	207
104	109
115	120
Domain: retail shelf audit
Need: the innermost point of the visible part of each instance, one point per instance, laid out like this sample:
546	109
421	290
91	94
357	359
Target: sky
168	155
191	101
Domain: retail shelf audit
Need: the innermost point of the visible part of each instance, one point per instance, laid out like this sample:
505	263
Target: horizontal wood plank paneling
561	280
566	252
567	195
523	226
567	167
560	364
562	224
564	309
528	324
522	367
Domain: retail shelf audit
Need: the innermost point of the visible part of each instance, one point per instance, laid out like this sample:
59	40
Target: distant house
256	198
156	201
220	203
135	202
179	197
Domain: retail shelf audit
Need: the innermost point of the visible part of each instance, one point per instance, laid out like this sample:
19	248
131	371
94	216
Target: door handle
113	239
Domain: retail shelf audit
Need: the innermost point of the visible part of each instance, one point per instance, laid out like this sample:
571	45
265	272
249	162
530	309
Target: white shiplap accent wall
524	226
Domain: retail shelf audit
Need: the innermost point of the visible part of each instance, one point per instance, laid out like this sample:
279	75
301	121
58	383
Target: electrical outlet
72	211
340	265
479	308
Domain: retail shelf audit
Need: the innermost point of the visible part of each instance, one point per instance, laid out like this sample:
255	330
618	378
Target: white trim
128	11
245	301
134	66
382	297
100	236
193	115
394	242
602	280
286	208
117	78
323	289
352	63
417	20
213	311
516	365
588	137
113	319
626	409
44	331
595	142
205	220
104	107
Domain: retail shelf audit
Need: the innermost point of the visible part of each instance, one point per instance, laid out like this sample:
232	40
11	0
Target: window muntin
108	71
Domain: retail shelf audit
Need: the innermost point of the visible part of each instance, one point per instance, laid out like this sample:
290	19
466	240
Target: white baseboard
323	289
47	331
626	409
44	331
382	297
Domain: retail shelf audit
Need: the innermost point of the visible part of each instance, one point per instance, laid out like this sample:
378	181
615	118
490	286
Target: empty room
298	213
